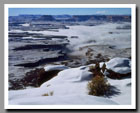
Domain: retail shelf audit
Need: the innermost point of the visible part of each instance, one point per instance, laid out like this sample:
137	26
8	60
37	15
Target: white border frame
133	56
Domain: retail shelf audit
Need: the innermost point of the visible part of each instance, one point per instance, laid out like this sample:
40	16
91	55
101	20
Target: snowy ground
69	87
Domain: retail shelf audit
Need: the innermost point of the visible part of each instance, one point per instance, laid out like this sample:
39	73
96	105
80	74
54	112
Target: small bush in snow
48	94
96	70
98	86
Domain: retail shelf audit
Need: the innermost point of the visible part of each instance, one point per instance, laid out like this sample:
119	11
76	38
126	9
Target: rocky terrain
70	45
44	49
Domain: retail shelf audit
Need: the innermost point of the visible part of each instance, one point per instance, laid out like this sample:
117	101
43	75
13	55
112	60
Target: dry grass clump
98	86
48	94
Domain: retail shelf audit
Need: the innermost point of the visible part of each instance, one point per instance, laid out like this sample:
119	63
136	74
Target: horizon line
75	14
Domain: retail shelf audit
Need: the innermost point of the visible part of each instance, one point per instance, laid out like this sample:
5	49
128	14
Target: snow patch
31	38
26	24
65	100
55	67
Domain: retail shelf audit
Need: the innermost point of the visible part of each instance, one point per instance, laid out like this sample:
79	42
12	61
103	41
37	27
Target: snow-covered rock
119	65
71	75
75	74
55	67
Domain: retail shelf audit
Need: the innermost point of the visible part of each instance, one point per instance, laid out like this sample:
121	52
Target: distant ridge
70	18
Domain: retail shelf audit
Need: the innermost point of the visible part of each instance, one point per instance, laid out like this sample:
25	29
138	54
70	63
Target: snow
67	100
87	35
26	24
124	87
119	65
69	87
31	38
55	67
70	75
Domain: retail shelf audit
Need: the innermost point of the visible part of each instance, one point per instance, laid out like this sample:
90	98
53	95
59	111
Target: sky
70	11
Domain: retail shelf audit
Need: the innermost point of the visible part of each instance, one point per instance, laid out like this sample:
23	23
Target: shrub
98	86
48	94
96	70
38	76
